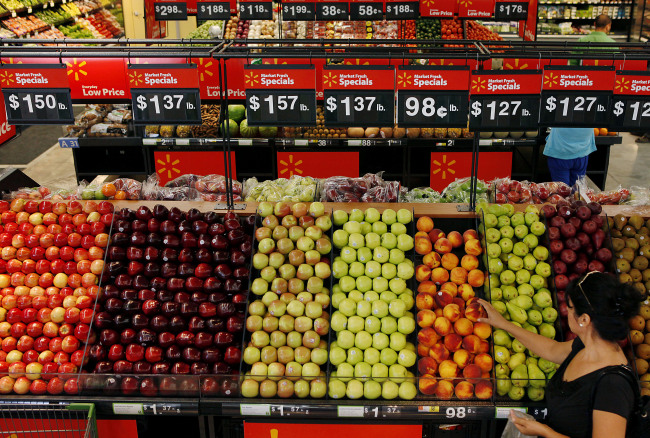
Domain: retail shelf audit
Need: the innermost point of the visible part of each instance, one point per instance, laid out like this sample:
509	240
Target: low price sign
504	100
165	94
280	95
36	94
576	97
359	95
432	96
631	101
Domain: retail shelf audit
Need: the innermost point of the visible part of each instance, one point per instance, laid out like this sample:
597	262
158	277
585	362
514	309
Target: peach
428	337
484	361
460	303
424	223
422	273
432	260
436	234
466	291
442	298
485	375
462	358
484	347
451	312
476	277
453	342
451	287
438	312
423	350
455	238
482	330
423	246
421	235
483	390
474	311
449	261
443	246
424	301
473	247
439	352
426	318
464	390
442	326
458	275
472	373
439	275
470	235
427	384
469	262
463	326
427	287
427	365
448	369
444	389
471	343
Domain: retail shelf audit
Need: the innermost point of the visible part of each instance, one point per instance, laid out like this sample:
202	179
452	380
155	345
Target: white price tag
505	412
128	409
245	142
301	142
183	141
354	142
149	141
255	409
350	411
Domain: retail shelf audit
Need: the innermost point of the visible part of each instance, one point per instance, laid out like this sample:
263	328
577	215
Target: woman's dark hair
609	303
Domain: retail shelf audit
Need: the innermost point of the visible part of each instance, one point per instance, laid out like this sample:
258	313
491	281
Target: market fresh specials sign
631	101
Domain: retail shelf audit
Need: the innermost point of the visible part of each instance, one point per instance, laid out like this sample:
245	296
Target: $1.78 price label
151	106
29	106
359	108
281	107
511	11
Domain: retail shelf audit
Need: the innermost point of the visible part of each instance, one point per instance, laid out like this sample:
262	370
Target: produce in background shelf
120	189
373	354
369	188
519	290
459	191
453	346
295	189
511	191
288	320
421	194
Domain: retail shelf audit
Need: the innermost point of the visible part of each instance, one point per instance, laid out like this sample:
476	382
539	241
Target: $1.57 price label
631	101
170	11
38	106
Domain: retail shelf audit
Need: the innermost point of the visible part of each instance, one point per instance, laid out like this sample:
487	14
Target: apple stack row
519	286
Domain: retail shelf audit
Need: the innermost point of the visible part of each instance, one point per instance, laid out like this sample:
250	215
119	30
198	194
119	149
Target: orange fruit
108	190
596	132
603	131
120	194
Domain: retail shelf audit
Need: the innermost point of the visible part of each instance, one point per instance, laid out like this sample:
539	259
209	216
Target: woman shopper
599	308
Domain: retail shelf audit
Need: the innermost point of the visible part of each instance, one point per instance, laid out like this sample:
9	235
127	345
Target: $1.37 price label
213	11
359	108
164	107
170	11
38	106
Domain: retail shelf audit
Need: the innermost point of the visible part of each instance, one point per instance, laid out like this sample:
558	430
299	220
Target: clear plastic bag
511	430
507	190
151	191
609	197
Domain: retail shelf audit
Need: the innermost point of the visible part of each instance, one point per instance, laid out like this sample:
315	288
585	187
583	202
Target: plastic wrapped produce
552	192
369	188
459	191
213	188
638	196
609	197
151	191
295	189
423	195
510	191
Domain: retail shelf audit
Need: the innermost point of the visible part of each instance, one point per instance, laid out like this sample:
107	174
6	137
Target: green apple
260	261
380	340
339	217
337	356
354	390
356	215
495	266
379	308
373	269
397	372
379	371
407	391
388	356
345	372
355	296
336	388
388	325
408	299
531	241
406	324
337	298
388	296
348	307
339	321
388	271
406	358
372	215
521	231
389	390
379	228
355	324
398	228
397	285
364	308
345	339
397	341
371	356
380	254
396	256
356	269
339	269
529	261
388	240
404	242
538	228
490	220
363	340
404	216
371	295
517	219
520	249
365	228
397	308
356	240
373	240
540	253
373	324
379	284
364	255
506	245
348	254
355	355
389	216
340	238
362	371
364	283
405	271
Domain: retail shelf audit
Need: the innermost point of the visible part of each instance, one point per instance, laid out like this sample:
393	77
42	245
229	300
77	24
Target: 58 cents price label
213	11
575	109
168	11
357	108
164	106
366	11
38	106
281	107
503	112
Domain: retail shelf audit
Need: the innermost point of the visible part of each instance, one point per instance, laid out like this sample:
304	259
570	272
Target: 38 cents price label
165	106
170	11
402	10
366	11
511	11
332	11
213	11
256	10
298	11
38	106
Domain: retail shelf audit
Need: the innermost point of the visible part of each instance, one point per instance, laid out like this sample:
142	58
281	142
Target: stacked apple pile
174	300
519	274
578	245
452	344
52	257
372	354
287	321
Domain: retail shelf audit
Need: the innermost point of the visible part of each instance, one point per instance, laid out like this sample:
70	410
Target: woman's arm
544	347
608	425
535	428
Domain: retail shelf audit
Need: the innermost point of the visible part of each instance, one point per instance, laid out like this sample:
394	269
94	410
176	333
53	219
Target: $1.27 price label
213	11
631	101
164	107
574	109
31	106
501	112
170	11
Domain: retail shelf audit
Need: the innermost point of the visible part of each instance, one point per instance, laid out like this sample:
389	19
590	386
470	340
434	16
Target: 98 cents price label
358	108
166	106
575	109
503	112
402	10
630	112
256	10
366	11
213	11
332	11
298	11
424	109
170	11
281	107
34	106
511	11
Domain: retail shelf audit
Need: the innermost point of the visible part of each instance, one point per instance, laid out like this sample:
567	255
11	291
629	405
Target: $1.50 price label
213	11
38	106
170	11
631	101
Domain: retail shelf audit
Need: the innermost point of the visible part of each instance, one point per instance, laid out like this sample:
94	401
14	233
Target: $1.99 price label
631	101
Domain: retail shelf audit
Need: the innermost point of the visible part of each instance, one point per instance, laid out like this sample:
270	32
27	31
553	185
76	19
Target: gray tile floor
629	165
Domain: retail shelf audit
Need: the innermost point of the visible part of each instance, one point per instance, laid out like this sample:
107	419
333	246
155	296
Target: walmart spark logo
550	80
466	3
204	69
252	79
443	167
330	79
168	166
274	61
478	85
291	167
7	79
622	85
356	61
516	65
404	79
76	68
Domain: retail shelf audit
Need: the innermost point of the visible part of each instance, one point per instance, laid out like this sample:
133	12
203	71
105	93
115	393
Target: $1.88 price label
27	106
503	112
281	107
213	11
402	10
358	108
166	106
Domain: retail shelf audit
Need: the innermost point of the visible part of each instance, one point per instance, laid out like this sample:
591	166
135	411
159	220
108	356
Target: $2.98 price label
42	106
164	106
170	11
